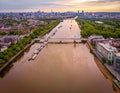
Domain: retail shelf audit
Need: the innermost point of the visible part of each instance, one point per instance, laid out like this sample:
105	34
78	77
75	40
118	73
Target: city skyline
59	5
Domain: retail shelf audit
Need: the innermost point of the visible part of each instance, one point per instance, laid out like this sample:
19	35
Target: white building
99	22
117	62
107	51
3	48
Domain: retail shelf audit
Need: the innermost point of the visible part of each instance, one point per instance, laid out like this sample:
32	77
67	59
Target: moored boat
34	56
117	83
36	51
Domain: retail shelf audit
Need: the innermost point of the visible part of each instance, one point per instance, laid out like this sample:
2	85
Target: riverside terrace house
3	48
105	50
117	62
93	39
36	22
3	45
12	39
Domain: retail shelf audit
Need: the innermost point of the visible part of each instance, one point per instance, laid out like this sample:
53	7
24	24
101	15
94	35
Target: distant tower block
83	12
78	11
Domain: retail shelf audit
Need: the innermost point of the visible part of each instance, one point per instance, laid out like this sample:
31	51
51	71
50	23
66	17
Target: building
117	62
5	44
99	22
93	39
105	50
116	43
12	39
3	48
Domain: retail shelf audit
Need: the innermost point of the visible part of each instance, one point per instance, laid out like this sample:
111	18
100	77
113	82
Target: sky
59	5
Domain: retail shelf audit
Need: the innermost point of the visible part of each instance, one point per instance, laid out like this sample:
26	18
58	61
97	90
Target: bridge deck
61	40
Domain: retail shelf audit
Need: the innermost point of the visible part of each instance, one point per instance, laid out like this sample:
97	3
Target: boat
42	47
29	59
39	49
36	51
34	56
44	44
59	27
117	83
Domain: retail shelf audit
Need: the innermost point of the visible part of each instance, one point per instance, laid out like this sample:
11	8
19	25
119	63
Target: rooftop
91	37
118	54
99	22
108	47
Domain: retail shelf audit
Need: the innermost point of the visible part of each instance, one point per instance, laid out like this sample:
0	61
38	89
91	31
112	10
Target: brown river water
58	68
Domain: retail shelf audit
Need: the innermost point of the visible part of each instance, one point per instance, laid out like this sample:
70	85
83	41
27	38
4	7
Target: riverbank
14	57
107	72
26	47
58	68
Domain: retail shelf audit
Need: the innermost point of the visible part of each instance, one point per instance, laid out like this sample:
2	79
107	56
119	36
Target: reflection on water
65	31
58	68
21	58
6	70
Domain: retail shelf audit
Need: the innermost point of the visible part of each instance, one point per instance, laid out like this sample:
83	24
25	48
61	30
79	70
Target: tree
3	33
13	49
103	59
2	61
6	58
109	62
1	55
108	29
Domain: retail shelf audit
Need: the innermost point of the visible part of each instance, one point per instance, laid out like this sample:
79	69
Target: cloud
58	5
99	5
30	4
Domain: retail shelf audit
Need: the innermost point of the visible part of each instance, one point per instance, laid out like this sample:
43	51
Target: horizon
58	12
60	5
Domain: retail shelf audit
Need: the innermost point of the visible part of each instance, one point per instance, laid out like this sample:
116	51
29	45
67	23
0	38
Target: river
58	68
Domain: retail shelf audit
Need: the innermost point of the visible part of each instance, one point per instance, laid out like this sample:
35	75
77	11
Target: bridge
61	40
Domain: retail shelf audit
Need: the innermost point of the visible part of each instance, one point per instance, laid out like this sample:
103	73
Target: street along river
58	68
